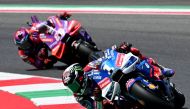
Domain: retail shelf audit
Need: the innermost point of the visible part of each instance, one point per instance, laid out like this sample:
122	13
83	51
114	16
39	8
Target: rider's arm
85	101
64	15
98	99
25	57
43	60
33	60
89	103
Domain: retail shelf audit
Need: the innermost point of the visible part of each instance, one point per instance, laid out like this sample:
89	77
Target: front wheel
148	98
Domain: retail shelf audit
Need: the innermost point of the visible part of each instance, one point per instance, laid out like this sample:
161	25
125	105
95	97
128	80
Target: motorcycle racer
33	51
84	88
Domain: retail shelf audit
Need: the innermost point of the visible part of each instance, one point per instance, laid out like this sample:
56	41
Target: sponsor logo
47	40
152	86
97	77
119	60
104	82
129	83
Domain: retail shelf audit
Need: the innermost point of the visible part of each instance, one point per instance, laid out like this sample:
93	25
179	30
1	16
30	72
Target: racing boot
167	72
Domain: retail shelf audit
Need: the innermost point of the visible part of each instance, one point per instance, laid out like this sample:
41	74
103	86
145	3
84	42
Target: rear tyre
149	98
84	49
179	100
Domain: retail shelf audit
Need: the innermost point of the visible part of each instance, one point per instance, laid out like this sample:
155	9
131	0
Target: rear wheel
84	49
179	99
148	98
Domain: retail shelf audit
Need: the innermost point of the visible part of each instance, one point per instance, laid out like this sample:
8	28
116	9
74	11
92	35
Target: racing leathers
85	89
89	88
36	54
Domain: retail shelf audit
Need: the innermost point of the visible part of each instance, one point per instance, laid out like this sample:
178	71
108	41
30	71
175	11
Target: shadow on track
63	67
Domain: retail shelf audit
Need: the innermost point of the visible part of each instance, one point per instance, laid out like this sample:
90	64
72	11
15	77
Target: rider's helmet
73	77
22	39
124	47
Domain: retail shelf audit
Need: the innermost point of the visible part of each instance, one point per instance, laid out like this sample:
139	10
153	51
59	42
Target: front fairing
54	38
54	35
73	27
148	70
100	77
109	88
110	61
115	60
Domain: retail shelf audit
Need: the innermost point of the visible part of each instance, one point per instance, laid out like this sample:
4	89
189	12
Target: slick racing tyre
179	99
148	98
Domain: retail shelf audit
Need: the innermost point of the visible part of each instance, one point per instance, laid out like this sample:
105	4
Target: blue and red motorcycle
124	78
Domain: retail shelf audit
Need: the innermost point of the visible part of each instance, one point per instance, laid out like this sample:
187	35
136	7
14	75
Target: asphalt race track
99	2
163	37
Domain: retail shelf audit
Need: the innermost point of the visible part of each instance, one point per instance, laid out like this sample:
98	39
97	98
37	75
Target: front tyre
148	98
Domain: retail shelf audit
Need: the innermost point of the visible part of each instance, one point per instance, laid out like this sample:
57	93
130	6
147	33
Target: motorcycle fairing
129	63
57	23
54	43
109	88
54	37
58	50
115	60
149	70
111	91
146	83
73	27
100	76
146	68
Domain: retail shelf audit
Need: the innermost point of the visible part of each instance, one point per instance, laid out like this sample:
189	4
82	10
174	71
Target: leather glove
64	16
42	54
124	47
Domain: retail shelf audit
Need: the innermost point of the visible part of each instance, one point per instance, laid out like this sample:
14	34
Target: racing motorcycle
126	79
65	39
